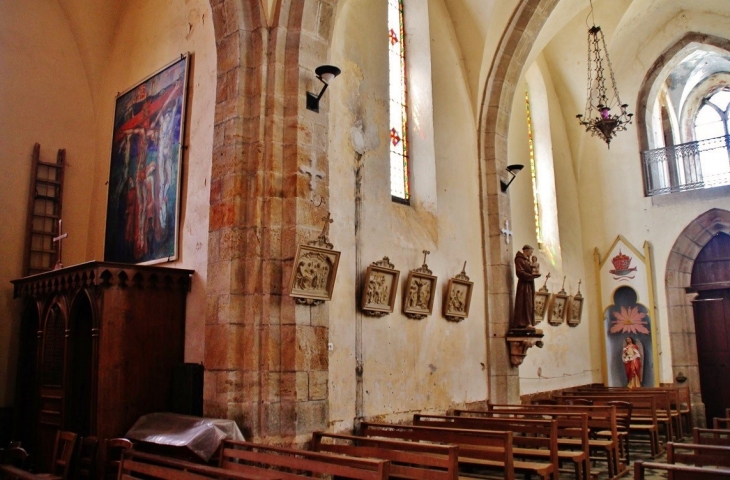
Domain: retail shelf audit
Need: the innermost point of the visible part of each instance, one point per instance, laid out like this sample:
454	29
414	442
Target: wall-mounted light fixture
325	74
513	170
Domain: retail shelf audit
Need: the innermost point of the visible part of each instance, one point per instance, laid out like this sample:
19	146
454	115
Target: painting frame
145	171
542	303
412	304
575	310
301	278
456	307
557	309
380	274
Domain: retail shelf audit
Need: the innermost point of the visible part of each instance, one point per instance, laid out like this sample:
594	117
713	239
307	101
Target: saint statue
631	357
527	270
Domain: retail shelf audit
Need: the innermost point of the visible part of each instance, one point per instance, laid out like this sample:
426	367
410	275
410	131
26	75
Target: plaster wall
567	359
610	185
45	98
408	365
149	35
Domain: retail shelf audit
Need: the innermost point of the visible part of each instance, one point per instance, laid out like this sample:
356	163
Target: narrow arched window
711	128
399	167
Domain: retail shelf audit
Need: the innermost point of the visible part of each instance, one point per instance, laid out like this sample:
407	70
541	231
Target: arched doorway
680	297
711	279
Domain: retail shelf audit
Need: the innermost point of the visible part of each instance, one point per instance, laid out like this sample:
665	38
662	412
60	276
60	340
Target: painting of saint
144	180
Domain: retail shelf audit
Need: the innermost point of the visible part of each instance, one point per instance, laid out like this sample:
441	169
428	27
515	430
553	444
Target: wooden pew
408	460
680	472
282	463
720	423
135	464
711	436
668	404
532	437
477	448
643	416
699	455
11	472
600	419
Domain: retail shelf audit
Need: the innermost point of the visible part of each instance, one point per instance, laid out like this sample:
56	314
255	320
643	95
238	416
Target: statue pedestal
520	340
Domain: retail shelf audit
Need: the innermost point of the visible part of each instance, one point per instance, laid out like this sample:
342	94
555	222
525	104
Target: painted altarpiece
626	306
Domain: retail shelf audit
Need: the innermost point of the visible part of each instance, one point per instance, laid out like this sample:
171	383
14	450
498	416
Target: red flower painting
629	320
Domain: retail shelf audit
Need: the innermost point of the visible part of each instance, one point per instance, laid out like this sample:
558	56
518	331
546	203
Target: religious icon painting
457	299
575	310
314	274
419	295
542	301
379	288
143	206
558	308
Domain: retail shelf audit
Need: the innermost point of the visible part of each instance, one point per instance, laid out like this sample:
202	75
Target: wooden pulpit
98	345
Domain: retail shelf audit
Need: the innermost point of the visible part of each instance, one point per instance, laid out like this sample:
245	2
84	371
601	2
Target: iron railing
689	166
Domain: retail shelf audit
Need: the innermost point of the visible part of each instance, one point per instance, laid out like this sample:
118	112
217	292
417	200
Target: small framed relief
420	292
379	290
558	307
575	309
542	301
313	277
458	297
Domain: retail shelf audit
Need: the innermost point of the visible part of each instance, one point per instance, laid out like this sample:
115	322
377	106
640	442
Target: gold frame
546	298
416	312
379	309
298	278
455	314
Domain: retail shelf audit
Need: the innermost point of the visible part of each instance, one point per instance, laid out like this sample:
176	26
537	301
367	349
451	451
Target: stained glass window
398	104
533	171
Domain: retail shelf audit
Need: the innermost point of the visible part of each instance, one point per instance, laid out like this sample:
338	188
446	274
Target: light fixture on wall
325	74
597	118
513	170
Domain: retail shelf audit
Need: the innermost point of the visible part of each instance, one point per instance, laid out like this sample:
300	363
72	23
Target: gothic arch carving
678	277
648	84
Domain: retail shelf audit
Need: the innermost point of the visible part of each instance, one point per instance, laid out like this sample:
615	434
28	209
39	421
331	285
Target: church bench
720	423
283	463
408	460
602	418
573	441
644	417
668	404
679	472
481	449
135	464
532	438
699	455
711	436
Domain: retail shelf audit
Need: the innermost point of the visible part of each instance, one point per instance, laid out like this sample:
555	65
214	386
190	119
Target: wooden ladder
44	212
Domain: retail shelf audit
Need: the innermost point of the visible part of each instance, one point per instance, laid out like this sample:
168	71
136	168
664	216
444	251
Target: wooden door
711	278
51	401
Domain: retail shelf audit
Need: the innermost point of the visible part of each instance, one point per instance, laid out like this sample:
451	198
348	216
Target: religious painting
542	301
457	300
418	295
629	344
379	290
624	276
575	310
143	206
315	270
558	308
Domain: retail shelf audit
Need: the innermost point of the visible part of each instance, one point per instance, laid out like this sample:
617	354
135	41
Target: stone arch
499	91
678	277
652	74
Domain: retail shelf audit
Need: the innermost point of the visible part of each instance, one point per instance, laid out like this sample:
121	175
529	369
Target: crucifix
315	175
425	255
506	232
59	240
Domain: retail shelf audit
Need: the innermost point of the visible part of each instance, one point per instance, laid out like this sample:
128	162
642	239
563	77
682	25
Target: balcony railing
689	166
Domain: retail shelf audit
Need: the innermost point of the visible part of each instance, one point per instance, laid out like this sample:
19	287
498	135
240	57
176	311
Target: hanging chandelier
598	118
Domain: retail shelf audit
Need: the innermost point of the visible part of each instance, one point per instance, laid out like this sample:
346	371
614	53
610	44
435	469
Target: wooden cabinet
98	344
